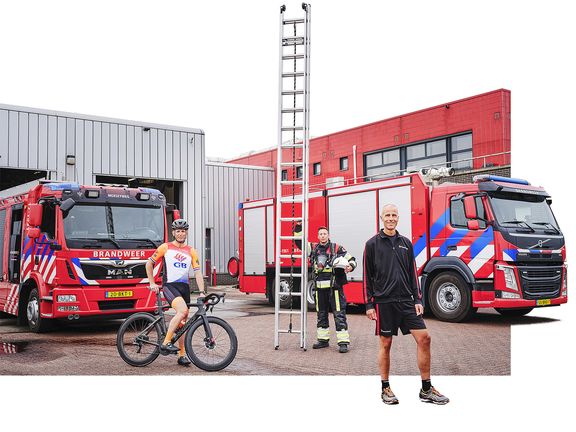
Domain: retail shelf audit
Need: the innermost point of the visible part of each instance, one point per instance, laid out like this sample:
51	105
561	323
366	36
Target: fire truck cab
69	251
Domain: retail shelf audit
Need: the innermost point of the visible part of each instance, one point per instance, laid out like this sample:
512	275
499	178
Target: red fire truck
494	243
71	251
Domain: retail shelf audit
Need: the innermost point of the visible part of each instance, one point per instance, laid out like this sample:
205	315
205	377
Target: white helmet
340	262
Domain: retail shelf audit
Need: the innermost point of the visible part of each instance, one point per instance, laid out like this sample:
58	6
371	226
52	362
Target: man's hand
419	309
154	287
348	269
371	314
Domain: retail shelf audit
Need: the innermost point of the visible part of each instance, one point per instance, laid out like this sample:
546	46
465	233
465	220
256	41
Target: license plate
543	302
116	294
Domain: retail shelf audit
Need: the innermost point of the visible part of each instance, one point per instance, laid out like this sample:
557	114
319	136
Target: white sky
214	66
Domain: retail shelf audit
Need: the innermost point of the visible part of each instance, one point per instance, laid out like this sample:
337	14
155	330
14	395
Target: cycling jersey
177	262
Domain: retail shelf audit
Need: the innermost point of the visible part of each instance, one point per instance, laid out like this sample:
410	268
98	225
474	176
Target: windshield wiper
147	240
556	230
517	222
102	240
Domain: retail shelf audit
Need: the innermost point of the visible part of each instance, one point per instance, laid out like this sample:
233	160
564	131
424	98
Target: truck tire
450	298
514	312
285	300
36	323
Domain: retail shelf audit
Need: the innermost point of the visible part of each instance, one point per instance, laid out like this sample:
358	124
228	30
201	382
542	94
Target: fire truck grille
116	304
106	272
540	282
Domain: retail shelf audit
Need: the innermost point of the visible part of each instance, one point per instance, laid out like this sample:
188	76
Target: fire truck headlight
509	295
66	298
509	277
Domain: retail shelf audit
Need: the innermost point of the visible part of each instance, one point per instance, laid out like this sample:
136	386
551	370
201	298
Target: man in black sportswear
394	300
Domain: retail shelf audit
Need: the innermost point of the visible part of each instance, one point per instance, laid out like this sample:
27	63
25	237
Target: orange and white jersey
177	261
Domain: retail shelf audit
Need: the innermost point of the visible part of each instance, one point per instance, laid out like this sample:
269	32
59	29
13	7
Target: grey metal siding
40	139
227	185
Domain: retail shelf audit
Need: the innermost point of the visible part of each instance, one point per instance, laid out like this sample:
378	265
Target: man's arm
368	282
413	276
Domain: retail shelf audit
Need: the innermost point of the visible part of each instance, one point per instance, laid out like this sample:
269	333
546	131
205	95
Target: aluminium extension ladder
292	155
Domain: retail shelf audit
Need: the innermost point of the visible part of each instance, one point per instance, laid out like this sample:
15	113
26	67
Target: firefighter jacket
390	270
322	258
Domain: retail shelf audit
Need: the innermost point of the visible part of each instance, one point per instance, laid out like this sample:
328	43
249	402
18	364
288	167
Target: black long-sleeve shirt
390	270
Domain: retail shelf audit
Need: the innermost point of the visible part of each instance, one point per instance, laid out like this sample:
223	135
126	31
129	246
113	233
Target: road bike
210	342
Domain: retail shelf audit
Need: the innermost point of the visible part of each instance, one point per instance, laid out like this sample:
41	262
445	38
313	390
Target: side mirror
33	233
35	215
473	225
67	204
470	207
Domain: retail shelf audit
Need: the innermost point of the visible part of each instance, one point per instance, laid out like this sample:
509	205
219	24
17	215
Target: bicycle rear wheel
211	354
138	339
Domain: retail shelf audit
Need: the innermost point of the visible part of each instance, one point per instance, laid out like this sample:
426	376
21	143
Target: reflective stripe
337	300
323	284
323	333
343	336
316	293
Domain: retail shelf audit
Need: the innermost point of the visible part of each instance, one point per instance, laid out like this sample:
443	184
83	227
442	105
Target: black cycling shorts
176	289
391	316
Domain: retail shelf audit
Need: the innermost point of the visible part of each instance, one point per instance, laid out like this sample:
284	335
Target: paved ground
479	347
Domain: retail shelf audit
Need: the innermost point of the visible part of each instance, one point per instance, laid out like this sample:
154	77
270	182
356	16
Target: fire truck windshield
523	211
114	227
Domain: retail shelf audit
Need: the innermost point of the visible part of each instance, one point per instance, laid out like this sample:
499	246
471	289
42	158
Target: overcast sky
214	66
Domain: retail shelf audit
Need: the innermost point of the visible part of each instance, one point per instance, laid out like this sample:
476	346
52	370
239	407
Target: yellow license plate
116	294
544	302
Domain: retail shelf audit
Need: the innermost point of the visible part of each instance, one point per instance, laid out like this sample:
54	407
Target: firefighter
330	263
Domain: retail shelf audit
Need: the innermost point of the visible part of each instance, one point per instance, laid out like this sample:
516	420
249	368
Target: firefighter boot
343	348
321	344
323	336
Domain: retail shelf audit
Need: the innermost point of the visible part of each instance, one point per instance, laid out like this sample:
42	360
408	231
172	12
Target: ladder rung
294	21
291	201
291	256
292	146
290	219
292	74
292	110
290	41
290	238
289	331
292	56
292	128
292	92
291	275
290	312
291	182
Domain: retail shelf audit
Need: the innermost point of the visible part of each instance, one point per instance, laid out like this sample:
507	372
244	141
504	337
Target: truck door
15	245
474	247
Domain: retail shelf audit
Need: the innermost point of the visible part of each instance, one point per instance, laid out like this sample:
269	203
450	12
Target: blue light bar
150	190
63	186
488	177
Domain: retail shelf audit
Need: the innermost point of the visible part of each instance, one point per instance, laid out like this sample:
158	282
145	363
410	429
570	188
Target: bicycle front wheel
211	354
138	339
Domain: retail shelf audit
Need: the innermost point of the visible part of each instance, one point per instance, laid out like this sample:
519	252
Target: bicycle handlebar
208	301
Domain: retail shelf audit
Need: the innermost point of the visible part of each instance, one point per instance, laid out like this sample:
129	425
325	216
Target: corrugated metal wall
226	186
39	139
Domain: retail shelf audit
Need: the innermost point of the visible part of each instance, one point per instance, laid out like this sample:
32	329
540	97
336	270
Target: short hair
389	205
323	227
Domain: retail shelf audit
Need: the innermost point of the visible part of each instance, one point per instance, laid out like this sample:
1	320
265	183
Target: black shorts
176	289
391	316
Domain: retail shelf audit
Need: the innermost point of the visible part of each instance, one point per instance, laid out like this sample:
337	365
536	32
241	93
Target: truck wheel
450	298
513	312
285	302
36	323
311	295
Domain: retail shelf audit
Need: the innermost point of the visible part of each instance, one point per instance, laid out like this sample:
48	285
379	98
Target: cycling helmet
180	224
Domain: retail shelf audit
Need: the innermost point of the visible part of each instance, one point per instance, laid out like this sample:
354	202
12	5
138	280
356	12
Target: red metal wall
486	115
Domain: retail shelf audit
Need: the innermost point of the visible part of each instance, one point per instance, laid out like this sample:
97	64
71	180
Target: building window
382	164
317	168
455	151
284	175
461	151
343	164
427	154
299	172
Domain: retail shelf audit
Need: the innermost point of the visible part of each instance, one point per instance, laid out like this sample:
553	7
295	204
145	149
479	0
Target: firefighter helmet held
340	262
180	224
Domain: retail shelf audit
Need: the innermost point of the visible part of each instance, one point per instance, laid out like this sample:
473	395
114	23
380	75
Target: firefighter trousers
326	299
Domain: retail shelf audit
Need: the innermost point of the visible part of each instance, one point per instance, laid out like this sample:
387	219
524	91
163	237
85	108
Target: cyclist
177	259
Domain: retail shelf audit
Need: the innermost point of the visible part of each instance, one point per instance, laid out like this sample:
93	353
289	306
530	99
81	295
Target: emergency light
488	177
